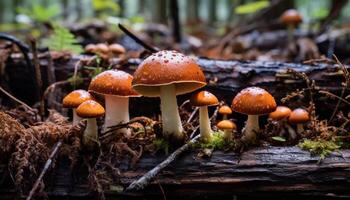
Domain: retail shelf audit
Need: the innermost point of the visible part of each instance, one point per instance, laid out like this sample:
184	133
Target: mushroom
280	115
202	100
73	100
224	111
227	126
116	49
90	110
90	48
115	85
166	74
291	18
253	101
298	117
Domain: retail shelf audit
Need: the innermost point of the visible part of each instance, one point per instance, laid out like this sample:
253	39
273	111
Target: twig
335	96
149	176
46	167
15	99
192	114
38	78
138	40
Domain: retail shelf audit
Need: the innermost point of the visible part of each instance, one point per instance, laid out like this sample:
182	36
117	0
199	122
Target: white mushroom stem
117	111
90	133
76	118
228	135
204	124
170	114
251	127
300	128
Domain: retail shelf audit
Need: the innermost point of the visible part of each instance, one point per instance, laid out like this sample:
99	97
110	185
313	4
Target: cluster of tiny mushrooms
166	74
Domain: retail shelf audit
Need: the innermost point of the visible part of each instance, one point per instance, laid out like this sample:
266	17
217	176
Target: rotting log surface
261	172
273	170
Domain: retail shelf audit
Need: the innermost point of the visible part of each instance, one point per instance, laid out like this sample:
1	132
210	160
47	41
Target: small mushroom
202	100
291	18
166	74
73	100
253	101
116	49
90	110
280	115
224	111
115	85
228	127
90	48
299	116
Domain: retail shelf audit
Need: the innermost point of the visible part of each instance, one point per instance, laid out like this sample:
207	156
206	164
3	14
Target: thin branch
149	176
335	96
45	169
15	99
137	39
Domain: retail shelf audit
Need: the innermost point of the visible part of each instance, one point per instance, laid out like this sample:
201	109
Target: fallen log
272	170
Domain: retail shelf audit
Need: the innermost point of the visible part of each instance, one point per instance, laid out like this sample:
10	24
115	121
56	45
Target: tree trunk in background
212	11
122	7
2	13
65	9
192	8
175	20
141	8
159	15
79	9
334	12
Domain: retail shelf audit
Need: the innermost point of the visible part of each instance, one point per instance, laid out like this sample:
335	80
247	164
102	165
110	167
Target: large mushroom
90	110
115	85
253	101
299	116
73	100
166	74
202	100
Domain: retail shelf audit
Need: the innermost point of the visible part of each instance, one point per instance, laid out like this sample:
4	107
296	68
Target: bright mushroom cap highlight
227	126
280	113
166	68
91	110
225	110
202	100
291	16
253	101
166	74
299	115
115	85
73	100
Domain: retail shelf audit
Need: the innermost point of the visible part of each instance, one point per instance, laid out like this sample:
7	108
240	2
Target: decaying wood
287	170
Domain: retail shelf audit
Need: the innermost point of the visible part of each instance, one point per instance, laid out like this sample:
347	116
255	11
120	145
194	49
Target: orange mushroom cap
299	116
291	16
90	109
90	48
102	48
281	112
225	110
166	68
226	125
116	49
254	101
75	98
113	82
204	98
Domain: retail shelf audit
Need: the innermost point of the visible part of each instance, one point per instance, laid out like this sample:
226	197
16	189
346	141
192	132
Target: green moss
217	142
161	144
321	148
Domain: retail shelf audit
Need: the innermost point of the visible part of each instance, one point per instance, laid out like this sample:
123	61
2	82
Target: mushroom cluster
166	74
105	51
